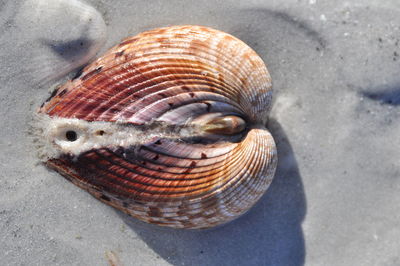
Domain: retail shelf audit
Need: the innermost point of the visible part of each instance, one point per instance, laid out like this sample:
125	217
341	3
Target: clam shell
167	126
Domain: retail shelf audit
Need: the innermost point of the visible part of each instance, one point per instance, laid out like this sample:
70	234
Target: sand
335	197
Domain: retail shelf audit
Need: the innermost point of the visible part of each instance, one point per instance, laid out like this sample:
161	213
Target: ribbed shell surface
167	80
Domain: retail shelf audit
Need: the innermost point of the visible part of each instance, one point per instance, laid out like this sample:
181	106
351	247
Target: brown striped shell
168	126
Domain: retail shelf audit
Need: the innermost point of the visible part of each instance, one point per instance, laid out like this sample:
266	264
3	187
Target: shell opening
100	132
67	136
71	135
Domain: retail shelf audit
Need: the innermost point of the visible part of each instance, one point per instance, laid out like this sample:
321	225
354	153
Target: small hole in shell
100	132
71	135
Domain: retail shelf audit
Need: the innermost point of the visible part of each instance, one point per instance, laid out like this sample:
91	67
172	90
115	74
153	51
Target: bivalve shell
168	126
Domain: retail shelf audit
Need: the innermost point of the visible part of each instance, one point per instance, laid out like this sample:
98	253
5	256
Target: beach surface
335	198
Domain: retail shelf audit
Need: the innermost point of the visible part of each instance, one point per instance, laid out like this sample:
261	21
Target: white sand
335	199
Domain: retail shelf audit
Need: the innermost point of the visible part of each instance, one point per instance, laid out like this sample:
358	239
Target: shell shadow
70	50
269	234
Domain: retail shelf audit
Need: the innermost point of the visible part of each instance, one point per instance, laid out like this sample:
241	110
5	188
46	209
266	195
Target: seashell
167	126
